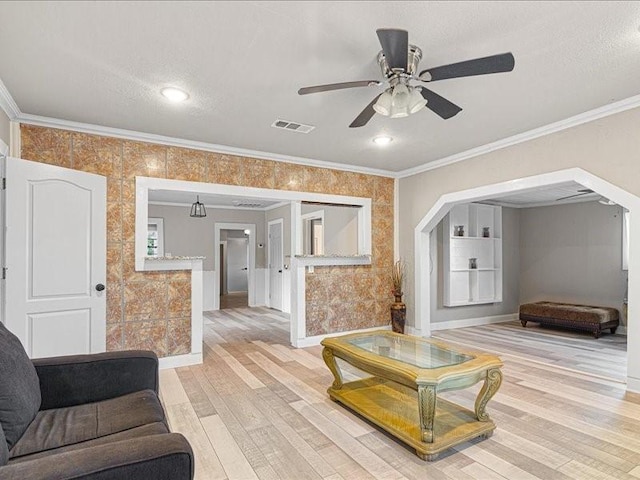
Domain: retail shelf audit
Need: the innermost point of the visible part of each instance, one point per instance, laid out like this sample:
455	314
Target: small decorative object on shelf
458	231
398	308
486	232
473	263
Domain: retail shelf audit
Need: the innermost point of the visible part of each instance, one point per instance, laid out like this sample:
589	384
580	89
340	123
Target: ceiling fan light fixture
383	105
416	101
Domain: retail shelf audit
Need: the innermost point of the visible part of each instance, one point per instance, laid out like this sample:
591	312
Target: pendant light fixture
197	209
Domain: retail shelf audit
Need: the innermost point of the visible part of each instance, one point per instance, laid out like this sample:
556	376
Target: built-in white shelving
466	282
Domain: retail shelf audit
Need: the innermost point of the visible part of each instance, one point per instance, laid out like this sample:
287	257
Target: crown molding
8	104
13	112
585	117
193	144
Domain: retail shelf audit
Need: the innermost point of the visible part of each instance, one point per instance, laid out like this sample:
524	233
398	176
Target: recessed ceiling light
174	95
382	140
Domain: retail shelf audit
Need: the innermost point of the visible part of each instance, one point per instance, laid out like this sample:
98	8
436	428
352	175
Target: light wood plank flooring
234	300
606	356
257	408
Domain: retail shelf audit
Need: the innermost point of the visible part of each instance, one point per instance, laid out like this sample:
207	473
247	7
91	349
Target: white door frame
269	223
251	267
422	293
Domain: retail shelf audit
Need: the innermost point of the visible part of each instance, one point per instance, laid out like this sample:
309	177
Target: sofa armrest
160	457
78	379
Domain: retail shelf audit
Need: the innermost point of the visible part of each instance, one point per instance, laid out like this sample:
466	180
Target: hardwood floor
258	408
234	300
606	356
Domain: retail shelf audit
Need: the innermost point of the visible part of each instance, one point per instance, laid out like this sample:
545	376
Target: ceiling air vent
247	204
292	126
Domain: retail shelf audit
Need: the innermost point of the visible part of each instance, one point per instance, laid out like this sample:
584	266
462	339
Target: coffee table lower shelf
394	408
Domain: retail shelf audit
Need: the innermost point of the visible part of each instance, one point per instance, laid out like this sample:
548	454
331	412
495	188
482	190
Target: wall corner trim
50	122
8	104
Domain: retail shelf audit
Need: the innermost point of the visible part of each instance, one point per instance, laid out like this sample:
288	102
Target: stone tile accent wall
152	310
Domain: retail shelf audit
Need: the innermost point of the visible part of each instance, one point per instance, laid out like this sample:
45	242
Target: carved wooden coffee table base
409	408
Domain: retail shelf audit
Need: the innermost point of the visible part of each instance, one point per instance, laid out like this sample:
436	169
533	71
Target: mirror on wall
329	229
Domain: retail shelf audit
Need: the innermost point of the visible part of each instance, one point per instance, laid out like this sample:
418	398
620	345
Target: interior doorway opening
422	295
234	252
234	261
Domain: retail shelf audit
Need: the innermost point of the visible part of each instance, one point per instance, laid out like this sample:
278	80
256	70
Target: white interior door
55	254
237	261
275	262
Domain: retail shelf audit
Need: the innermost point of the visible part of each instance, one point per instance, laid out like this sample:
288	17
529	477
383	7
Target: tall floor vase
398	315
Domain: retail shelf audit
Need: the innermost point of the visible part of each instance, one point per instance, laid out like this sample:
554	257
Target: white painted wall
572	253
194	236
208	277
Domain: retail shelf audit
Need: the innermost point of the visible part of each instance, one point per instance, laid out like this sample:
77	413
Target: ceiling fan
399	65
588	191
584	191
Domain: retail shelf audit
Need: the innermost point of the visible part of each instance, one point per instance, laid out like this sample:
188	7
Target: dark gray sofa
85	417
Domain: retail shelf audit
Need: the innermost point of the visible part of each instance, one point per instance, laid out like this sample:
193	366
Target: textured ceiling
553	195
242	62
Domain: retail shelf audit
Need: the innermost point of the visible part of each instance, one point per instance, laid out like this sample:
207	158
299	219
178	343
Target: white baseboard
180	360
316	339
409	330
473	322
633	385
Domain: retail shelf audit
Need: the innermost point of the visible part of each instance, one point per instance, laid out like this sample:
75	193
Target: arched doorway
621	197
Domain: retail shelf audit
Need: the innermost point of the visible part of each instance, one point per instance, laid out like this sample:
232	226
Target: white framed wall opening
290	202
422	232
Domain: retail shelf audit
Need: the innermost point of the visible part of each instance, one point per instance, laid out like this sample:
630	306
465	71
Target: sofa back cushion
19	388
4	449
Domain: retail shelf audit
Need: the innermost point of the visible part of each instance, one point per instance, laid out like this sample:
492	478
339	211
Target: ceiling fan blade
338	86
395	45
440	105
503	62
366	114
586	191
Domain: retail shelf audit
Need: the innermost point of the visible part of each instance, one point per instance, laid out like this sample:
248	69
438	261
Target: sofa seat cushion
61	427
157	428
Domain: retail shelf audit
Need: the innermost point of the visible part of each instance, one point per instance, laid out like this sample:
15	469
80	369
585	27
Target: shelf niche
464	283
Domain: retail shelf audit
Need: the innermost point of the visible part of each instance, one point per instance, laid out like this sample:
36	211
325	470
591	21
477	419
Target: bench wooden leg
523	322
596	334
613	330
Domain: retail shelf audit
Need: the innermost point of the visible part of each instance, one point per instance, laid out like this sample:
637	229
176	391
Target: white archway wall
607	148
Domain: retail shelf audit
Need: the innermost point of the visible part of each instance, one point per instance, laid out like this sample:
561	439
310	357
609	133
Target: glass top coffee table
402	395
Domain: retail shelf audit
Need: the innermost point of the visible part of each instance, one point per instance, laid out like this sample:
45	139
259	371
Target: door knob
243	268
100	287
279	271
